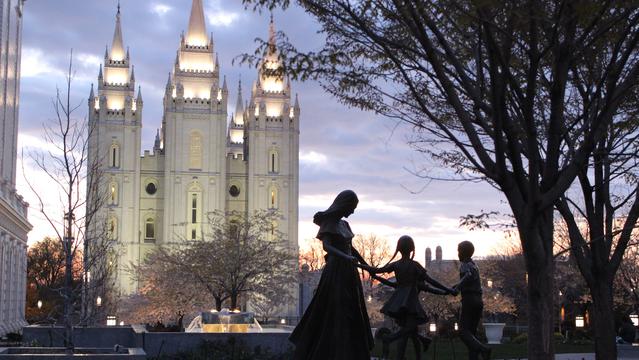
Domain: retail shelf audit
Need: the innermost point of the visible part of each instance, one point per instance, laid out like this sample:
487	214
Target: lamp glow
635	319
283	321
456	327
579	322
432	327
39	304
98	301
111	321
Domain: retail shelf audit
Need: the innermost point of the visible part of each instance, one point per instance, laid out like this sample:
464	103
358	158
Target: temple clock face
151	188
234	191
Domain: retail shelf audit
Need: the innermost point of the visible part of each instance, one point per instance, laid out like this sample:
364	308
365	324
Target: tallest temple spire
117	48
196	35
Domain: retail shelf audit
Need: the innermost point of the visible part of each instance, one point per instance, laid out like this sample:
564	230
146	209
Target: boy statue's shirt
472	283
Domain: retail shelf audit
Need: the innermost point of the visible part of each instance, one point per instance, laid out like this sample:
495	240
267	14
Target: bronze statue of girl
335	325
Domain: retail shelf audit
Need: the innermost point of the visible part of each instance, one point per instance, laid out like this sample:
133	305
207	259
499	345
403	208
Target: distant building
14	225
205	157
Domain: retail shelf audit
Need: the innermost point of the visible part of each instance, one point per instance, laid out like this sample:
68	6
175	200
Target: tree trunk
603	319
218	303
233	301
541	310
180	322
68	295
537	242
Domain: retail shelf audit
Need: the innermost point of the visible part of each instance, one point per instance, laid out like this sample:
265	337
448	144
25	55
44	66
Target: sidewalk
580	357
586	356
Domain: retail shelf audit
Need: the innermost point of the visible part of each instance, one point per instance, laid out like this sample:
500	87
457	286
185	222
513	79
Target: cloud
34	63
221	18
89	60
312	158
160	9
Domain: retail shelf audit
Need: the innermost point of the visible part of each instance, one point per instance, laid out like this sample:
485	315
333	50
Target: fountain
224	321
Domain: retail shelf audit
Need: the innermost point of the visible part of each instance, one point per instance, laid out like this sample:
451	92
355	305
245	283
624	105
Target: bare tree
67	168
627	281
601	217
313	256
514	93
375	251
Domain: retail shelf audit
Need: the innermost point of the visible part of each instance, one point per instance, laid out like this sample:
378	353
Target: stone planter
494	332
37	353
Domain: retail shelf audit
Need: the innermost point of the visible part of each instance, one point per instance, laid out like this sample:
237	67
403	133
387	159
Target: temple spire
158	143
271	32
196	36
239	106
117	48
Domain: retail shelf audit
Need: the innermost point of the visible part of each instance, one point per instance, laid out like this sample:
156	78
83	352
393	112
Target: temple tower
115	120
194	133
272	145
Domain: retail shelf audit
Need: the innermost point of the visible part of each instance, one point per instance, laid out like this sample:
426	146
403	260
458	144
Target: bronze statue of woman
335	325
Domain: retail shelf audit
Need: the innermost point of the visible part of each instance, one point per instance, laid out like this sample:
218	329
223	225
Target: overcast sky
340	148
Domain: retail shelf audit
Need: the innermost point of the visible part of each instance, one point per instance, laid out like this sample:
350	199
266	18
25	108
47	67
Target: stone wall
154	344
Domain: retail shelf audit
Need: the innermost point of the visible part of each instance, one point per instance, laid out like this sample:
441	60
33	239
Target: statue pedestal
227	322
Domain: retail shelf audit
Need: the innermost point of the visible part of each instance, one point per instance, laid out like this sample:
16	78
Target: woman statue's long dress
335	325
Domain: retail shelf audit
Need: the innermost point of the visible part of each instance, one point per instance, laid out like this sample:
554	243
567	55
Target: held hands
453	291
364	266
352	259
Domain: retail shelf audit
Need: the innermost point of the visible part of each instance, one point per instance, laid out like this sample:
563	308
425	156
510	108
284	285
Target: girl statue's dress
335	325
404	302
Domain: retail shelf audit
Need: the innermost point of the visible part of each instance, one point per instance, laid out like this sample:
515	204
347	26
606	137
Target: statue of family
335	325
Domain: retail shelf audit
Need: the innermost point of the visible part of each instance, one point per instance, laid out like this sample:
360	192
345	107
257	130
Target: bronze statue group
335	325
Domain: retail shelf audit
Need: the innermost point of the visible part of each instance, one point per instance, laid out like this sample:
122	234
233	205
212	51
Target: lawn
445	349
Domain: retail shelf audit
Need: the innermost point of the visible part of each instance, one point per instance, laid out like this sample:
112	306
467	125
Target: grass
445	349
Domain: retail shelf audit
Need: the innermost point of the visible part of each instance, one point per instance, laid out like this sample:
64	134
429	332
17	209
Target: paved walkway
579	357
568	357
571	357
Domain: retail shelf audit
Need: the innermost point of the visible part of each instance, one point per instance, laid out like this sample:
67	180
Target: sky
340	148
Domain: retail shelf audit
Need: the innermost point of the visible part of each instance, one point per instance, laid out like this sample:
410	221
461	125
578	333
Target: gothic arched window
273	161
273	197
113	193
114	156
149	228
194	208
112	228
195	154
273	231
